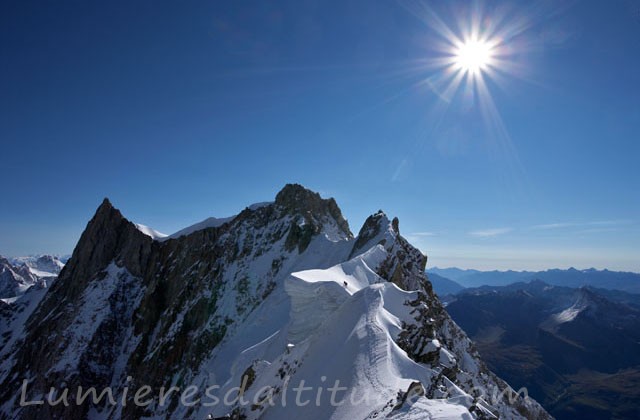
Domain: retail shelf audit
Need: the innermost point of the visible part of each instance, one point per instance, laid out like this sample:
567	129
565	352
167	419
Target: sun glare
473	56
468	54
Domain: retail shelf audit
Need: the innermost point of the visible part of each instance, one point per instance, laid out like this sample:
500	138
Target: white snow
39	265
207	223
436	409
40	273
10	300
13	330
256	206
94	310
154	234
213	222
353	345
567	315
353	275
45	263
334	324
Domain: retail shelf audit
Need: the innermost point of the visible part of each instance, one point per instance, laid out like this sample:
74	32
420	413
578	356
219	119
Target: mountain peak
105	212
106	202
108	236
296	199
373	231
291	194
588	297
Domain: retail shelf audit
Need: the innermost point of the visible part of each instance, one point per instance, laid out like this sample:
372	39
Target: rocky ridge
130	310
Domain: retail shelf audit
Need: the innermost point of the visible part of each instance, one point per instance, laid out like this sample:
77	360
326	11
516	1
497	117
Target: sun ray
474	55
482	49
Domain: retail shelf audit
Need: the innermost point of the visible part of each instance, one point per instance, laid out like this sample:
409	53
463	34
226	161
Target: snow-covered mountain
276	313
41	265
14	280
18	274
576	350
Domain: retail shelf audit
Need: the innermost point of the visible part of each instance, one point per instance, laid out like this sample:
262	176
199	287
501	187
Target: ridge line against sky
179	112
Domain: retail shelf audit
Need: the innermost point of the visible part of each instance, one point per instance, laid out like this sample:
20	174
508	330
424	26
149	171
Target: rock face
280	292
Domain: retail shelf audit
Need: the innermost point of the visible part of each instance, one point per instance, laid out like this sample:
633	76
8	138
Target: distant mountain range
576	350
19	274
444	286
605	279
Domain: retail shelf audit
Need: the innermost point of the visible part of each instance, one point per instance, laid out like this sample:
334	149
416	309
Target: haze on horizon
179	112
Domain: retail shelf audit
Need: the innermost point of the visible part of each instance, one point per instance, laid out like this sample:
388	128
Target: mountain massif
577	350
245	312
18	275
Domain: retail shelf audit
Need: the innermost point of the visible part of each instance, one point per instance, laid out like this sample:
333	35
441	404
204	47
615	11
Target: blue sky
178	111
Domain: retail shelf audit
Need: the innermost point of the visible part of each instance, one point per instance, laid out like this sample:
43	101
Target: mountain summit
247	312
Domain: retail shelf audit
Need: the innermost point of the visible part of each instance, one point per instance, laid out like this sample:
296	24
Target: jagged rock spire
376	230
108	236
296	199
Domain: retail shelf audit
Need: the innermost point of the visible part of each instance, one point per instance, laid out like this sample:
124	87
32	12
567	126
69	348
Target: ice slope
317	293
425	409
350	332
355	348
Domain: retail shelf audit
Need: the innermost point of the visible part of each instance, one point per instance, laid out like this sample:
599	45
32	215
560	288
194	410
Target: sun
473	56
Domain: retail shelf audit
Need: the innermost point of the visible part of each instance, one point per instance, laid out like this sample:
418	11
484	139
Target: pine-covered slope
279	294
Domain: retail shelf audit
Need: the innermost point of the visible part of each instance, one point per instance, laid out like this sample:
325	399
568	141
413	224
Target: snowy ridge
278	296
154	234
315	294
211	222
207	223
351	305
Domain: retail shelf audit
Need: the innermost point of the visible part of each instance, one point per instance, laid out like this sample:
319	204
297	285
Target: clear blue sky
178	111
